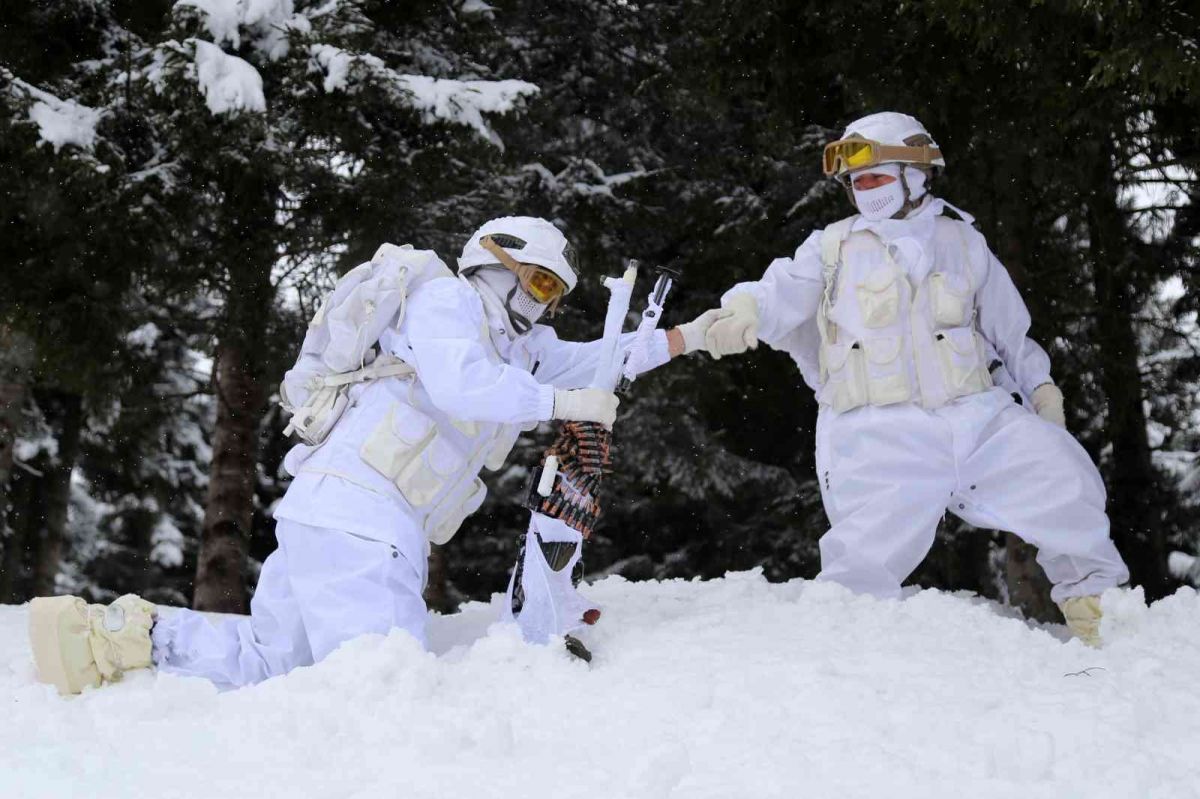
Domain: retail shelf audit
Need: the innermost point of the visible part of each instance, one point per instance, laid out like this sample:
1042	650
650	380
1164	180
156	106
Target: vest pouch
950	298
887	372
397	440
846	386
501	446
964	367
313	421
443	523
424	477
879	298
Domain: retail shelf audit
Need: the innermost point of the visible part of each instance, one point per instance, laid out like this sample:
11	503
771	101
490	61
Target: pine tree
66	273
274	118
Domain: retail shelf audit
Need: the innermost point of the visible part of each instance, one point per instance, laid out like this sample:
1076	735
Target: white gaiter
503	299
525	307
883	202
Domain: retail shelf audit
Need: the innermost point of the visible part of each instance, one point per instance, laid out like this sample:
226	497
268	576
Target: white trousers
888	474
318	589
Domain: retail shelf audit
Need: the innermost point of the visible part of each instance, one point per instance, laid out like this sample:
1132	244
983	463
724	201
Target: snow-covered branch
460	102
229	83
263	23
60	122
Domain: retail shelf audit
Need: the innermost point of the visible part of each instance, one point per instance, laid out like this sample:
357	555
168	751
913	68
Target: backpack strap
382	366
405	259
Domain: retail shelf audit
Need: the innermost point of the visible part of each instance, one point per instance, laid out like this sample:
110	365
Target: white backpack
339	346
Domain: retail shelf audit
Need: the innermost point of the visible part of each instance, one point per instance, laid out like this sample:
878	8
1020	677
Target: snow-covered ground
728	688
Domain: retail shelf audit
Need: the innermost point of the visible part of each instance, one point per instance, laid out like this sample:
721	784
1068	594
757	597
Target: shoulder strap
960	229
832	239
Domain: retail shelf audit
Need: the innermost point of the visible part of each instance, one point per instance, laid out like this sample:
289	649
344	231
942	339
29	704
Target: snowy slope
729	688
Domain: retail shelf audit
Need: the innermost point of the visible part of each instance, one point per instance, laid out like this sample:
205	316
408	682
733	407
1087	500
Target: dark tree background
159	259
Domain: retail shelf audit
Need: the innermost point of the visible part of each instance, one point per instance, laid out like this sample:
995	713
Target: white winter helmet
527	240
884	138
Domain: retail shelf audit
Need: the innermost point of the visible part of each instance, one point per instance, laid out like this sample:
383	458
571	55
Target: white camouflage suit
909	424
352	548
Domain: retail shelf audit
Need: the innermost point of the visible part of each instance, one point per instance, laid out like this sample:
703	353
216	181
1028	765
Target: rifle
563	493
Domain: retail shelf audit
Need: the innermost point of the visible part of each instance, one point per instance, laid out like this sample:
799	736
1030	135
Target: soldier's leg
886	476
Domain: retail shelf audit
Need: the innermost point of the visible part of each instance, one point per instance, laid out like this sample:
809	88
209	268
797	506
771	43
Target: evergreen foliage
182	181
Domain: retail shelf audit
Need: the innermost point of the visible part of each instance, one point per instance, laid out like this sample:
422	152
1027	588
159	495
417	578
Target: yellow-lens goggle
542	284
854	153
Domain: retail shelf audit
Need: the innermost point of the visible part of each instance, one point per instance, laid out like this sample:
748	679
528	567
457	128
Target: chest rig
889	336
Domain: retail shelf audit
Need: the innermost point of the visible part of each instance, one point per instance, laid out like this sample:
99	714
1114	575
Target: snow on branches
462	102
233	84
264	23
60	122
228	82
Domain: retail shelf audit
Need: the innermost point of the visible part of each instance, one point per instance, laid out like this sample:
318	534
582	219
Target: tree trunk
12	567
220	572
16	377
246	247
1028	586
1133	493
68	408
437	596
25	496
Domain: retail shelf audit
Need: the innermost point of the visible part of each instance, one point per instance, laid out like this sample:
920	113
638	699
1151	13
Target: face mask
523	310
881	202
884	202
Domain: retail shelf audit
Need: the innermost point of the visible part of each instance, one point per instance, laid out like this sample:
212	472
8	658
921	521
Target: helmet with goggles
883	138
533	249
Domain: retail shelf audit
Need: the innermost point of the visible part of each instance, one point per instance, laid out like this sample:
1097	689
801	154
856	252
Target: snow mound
728	688
1184	566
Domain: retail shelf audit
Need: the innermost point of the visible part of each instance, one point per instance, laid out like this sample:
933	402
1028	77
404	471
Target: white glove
586	405
1048	402
736	332
694	331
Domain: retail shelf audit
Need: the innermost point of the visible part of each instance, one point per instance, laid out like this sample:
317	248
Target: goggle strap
506	260
921	154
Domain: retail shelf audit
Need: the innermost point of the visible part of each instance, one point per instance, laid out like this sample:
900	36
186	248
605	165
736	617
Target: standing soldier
890	315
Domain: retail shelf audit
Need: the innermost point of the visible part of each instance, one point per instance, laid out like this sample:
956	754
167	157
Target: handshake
728	330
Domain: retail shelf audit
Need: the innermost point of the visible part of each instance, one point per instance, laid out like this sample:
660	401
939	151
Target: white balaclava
884	202
504	302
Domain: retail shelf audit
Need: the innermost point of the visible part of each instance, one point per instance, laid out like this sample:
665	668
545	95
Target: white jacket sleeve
571	364
445	332
1004	321
788	293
